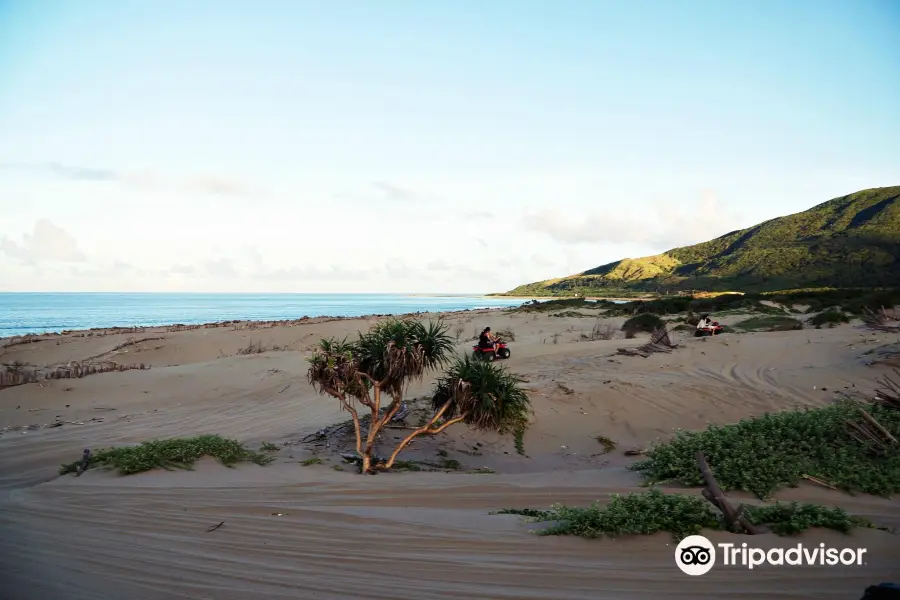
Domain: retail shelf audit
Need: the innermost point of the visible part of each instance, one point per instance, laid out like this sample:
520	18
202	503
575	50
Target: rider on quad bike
487	340
707	326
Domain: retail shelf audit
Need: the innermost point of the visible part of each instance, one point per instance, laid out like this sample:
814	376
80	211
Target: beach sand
293	531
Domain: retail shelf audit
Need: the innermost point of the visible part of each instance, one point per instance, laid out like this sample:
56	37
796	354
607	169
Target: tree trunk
356	429
427	428
342	398
374	427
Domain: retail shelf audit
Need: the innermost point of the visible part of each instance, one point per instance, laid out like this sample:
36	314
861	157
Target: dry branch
882	320
889	394
659	342
85	462
819	481
716	496
878	426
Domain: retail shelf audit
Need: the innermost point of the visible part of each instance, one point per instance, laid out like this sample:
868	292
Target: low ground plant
762	454
650	512
558	304
645	322
830	318
170	454
769	323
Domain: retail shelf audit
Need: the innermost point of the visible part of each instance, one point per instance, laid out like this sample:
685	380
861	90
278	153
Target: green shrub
769	323
559	304
645	322
653	511
763	454
172	453
830	317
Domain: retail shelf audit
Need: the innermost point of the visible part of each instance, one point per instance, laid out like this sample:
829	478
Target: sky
417	145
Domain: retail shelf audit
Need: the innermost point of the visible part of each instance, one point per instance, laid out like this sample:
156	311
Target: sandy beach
295	531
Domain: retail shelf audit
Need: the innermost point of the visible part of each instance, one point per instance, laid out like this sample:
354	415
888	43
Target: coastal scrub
171	453
772	451
646	513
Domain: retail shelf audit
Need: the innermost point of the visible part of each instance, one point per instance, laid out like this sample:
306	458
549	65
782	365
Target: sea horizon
24	313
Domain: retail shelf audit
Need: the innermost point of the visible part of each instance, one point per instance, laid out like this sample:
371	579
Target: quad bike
713	329
489	354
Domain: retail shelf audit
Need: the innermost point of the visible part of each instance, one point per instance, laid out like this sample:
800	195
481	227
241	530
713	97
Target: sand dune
293	531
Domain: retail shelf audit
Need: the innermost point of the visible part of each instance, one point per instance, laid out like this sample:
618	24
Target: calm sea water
22	313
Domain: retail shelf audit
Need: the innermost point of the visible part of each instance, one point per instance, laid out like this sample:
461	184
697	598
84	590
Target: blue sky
421	146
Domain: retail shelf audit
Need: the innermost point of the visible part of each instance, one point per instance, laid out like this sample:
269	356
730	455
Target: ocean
22	313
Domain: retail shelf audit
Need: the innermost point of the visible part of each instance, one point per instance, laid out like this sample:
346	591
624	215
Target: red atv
712	329
490	354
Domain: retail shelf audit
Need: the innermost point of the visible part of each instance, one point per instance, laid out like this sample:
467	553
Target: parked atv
489	354
713	329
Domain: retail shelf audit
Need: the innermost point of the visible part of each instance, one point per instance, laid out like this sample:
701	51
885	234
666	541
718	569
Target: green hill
852	241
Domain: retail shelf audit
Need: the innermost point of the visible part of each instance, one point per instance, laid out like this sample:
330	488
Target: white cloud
314	240
146	181
46	242
662	226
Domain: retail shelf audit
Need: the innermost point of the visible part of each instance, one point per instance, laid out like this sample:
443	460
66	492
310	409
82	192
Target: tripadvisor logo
696	555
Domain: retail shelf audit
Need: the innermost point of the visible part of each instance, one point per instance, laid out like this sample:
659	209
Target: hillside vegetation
852	241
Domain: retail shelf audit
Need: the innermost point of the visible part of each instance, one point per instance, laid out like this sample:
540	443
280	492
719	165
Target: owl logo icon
695	555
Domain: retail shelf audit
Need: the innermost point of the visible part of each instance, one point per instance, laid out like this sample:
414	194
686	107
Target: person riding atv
707	326
487	340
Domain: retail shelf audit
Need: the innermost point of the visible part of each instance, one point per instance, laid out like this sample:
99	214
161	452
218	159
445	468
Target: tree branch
424	429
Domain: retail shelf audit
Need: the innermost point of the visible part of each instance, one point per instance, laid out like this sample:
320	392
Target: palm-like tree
480	394
385	360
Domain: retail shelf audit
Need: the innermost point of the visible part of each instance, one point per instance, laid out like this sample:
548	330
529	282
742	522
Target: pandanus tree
393	353
375	370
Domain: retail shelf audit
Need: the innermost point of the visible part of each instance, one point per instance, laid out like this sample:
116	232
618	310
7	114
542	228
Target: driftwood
889	395
870	431
659	342
716	496
819	481
882	320
85	462
878	426
214	527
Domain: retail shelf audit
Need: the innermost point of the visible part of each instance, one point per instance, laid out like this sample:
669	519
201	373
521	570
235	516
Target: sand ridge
313	532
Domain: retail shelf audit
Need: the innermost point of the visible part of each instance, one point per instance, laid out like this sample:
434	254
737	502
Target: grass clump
178	453
650	512
830	318
559	304
607	443
520	439
406	465
646	322
311	461
792	518
769	323
763	454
